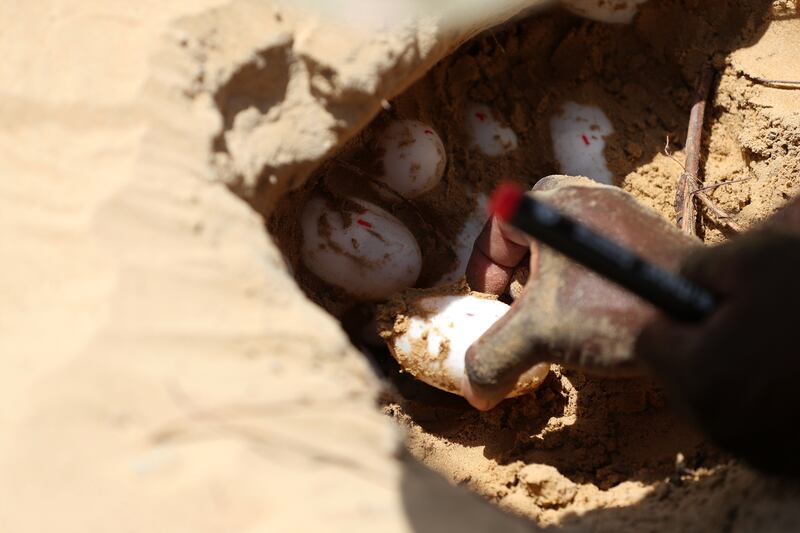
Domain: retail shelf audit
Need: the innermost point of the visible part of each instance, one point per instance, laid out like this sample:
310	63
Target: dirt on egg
582	452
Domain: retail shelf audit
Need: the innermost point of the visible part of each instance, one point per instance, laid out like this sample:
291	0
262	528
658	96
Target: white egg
366	251
610	11
413	157
489	135
463	243
433	345
578	133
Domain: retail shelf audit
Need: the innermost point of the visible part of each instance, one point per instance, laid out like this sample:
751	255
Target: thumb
500	356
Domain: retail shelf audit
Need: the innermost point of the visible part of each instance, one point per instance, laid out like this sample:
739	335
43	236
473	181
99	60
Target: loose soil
585	452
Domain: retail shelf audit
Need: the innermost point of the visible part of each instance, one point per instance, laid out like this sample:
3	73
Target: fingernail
477	398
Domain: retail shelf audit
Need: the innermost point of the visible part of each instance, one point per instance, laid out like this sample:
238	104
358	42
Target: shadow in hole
260	84
643	73
432	505
598	442
604	432
704	505
619	430
657	85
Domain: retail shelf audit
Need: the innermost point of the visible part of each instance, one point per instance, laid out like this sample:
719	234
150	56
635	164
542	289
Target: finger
495	255
704	268
724	268
664	346
483	398
494	363
484	275
787	219
500	248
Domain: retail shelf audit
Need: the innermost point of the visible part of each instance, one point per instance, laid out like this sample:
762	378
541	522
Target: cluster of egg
371	255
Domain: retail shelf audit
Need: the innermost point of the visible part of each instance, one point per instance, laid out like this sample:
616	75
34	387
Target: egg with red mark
579	136
359	247
487	132
413	157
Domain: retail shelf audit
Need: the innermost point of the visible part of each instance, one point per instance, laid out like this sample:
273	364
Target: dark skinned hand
732	373
735	373
565	313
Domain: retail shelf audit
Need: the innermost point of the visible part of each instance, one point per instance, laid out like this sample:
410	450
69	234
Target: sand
163	371
160	369
608	455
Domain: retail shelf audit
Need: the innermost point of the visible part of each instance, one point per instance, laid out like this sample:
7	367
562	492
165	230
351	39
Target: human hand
565	313
735	372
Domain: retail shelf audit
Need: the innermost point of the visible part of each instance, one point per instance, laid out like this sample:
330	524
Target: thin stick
668	153
723	183
500	46
684	196
790	84
723	217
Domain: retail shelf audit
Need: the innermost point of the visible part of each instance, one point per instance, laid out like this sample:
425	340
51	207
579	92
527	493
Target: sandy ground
586	453
602	454
162	370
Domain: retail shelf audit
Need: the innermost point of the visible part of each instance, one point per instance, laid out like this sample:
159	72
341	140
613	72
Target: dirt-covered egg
578	133
610	11
413	157
487	133
431	334
358	247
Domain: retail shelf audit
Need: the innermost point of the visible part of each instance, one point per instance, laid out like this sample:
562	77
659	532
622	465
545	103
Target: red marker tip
505	200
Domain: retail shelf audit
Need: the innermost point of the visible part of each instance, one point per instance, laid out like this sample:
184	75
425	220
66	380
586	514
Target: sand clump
548	488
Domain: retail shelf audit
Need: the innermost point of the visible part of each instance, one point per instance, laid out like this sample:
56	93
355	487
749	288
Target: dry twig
689	184
668	153
723	183
777	84
684	196
722	217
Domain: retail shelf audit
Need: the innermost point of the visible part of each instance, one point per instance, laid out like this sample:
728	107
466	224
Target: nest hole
593	432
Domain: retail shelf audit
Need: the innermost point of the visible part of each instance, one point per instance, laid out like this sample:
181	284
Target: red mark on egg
480	116
585	140
364	223
428	132
470	314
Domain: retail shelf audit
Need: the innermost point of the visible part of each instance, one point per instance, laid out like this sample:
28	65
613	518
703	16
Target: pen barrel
673	294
